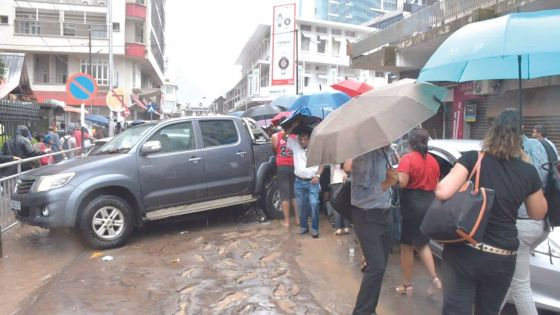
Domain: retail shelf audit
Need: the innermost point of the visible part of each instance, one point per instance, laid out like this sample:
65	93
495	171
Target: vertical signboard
283	44
256	81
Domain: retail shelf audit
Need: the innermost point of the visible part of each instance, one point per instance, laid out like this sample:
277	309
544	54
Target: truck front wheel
273	204
106	222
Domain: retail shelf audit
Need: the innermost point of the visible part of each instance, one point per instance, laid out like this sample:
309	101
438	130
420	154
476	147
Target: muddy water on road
32	257
246	269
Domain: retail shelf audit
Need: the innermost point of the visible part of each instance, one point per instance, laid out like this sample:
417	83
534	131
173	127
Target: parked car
150	172
545	261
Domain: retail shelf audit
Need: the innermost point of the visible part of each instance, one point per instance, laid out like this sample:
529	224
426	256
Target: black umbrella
262	112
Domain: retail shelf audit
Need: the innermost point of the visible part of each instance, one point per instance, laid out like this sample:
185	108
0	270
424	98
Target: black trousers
474	278
374	230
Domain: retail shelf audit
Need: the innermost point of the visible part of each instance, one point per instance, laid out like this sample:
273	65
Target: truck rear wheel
273	203
106	222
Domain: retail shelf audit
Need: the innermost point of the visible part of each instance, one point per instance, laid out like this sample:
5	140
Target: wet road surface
201	266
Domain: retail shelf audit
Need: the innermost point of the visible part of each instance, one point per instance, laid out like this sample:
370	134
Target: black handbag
462	218
341	200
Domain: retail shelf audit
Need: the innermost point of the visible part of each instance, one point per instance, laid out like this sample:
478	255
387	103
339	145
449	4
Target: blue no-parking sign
81	87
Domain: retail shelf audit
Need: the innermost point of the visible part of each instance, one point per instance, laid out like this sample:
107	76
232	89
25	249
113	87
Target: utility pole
90	72
110	33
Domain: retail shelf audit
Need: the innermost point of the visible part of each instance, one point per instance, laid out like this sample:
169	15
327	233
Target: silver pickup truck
150	172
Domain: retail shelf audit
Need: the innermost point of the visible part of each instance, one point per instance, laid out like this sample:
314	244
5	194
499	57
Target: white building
169	105
54	37
322	57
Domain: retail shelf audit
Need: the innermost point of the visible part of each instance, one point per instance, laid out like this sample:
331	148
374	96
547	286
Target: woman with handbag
337	178
480	274
418	177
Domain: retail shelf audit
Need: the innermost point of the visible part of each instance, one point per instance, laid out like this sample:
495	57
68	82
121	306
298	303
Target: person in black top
482	275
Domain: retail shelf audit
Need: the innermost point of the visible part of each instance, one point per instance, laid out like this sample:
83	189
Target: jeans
307	197
531	234
474	278
374	230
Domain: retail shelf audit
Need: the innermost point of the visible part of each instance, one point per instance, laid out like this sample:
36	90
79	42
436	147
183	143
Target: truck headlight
49	182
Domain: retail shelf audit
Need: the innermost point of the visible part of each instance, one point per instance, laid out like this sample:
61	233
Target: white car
545	261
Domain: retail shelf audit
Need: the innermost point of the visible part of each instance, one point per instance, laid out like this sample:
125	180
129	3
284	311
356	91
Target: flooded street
203	265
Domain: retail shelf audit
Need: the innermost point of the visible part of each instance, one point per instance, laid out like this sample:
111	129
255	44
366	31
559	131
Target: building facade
54	35
347	11
404	46
322	57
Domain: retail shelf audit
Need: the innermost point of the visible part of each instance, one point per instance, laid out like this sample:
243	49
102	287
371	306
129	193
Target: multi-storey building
54	35
347	11
403	47
322	61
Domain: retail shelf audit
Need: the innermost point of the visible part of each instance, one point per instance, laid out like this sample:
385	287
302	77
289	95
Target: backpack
552	185
65	144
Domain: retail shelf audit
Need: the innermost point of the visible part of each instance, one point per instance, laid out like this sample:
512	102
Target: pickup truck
151	172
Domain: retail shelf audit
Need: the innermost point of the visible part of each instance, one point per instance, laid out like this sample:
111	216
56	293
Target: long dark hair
418	141
504	138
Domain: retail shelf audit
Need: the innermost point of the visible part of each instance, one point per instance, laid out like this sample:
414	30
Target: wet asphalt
212	263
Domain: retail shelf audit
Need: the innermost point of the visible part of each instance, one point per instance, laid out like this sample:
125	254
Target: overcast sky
204	39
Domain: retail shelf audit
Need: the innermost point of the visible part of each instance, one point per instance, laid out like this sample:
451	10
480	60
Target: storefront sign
283	44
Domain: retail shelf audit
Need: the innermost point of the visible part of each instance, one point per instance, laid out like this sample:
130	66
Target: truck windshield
124	142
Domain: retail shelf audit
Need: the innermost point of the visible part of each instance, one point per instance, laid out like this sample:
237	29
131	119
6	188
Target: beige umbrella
373	120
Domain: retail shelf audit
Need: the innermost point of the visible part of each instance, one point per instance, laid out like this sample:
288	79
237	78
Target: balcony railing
430	17
28	27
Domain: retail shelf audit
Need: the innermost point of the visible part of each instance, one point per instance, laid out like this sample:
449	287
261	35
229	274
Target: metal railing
8	185
427	18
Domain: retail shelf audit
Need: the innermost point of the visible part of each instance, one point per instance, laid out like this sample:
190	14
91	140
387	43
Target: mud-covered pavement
205	266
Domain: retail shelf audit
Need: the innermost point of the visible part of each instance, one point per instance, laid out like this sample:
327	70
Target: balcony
136	10
40	28
135	50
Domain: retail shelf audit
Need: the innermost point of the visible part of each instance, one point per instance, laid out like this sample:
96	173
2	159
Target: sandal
405	289
434	286
338	232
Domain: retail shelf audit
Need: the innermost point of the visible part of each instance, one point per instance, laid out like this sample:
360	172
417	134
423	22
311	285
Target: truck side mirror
150	147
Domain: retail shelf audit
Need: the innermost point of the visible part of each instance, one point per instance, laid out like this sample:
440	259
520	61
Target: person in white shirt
338	177
307	186
539	133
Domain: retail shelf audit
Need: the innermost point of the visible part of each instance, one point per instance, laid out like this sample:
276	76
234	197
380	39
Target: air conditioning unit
484	87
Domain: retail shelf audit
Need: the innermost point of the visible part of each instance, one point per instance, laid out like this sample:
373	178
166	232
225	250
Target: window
170	90
379	74
218	132
322	30
336	31
116	27
321	45
3	19
50	69
305	42
69	30
99	70
336	48
30	28
350	33
175	138
305	28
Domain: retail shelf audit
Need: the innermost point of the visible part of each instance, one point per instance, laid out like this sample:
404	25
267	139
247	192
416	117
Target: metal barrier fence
427	18
8	185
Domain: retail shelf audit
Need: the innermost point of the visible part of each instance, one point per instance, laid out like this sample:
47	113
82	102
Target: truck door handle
241	153
195	159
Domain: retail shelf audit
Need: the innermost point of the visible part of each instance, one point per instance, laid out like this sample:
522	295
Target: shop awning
136	100
13	78
43	97
537	102
69	109
149	92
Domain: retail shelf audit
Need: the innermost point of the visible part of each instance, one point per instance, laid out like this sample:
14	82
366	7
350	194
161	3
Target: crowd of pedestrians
478	278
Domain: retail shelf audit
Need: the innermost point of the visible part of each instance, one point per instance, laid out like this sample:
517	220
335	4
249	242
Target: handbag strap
476	170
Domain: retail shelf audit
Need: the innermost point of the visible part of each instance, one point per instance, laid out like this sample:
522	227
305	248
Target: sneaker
346	231
315	234
338	232
303	231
